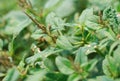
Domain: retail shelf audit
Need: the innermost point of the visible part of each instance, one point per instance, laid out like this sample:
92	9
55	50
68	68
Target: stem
27	6
100	17
36	22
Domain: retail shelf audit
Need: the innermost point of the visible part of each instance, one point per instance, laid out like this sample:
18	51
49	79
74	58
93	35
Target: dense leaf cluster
60	40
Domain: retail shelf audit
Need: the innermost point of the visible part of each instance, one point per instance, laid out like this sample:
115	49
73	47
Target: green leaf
116	55
37	34
64	43
74	77
55	22
50	3
97	5
49	64
42	55
90	65
104	78
81	56
101	78
64	65
109	35
103	43
12	75
116	43
110	67
109	14
58	6
17	21
92	22
86	14
102	33
66	10
51	76
37	76
92	25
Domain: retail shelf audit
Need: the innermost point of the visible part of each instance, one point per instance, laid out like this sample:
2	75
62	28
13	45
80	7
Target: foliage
60	40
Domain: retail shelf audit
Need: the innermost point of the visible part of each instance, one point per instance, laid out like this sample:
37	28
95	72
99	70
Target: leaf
109	35
103	43
42	55
92	25
12	75
55	22
66	10
116	55
37	76
74	77
109	14
97	5
101	78
49	64
104	78
81	56
17	21
37	34
110	67
64	43
90	48
86	14
102	33
51	76
113	46
59	6
91	65
50	3
64	65
92	22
